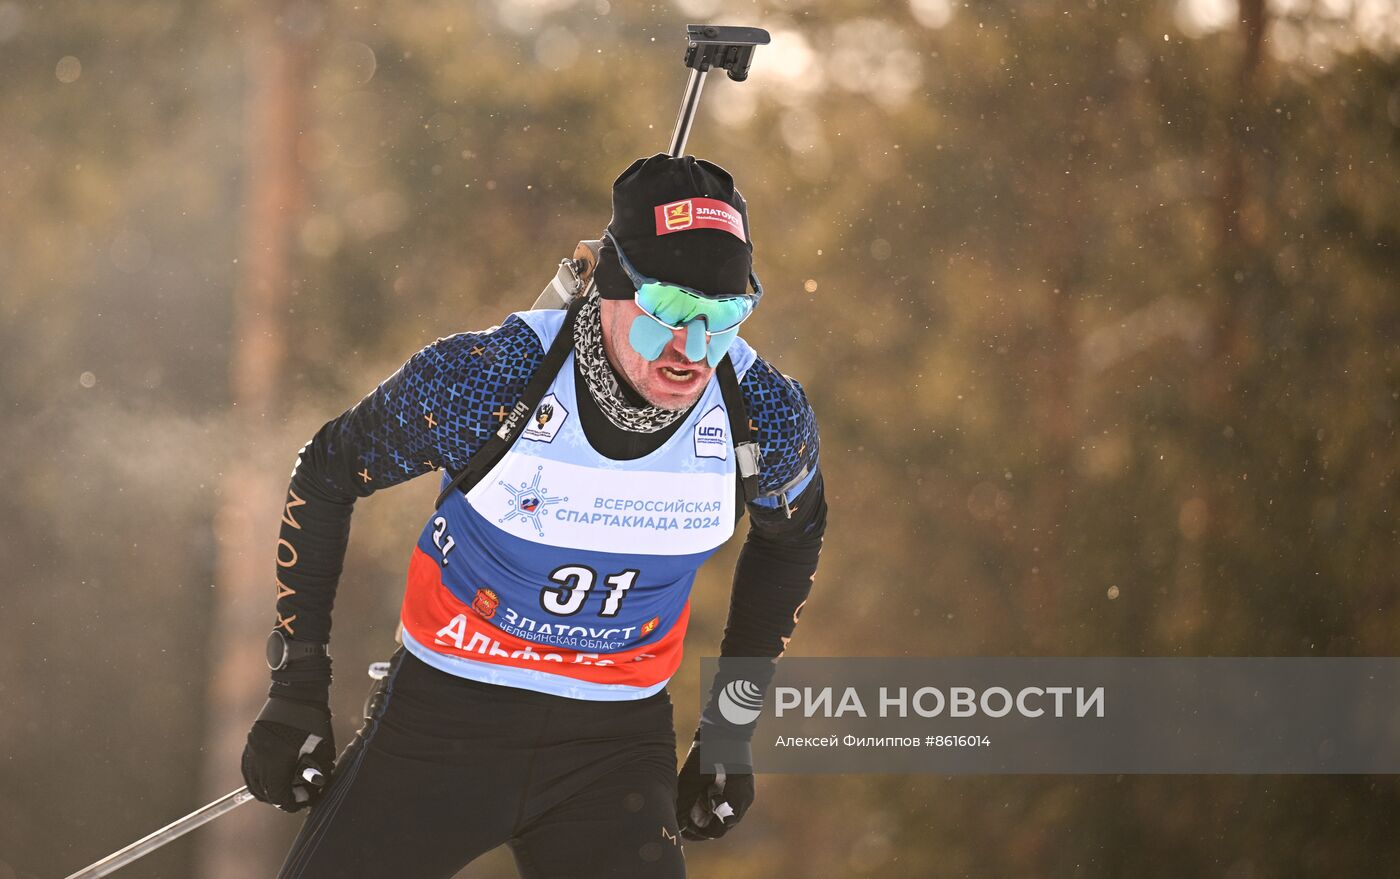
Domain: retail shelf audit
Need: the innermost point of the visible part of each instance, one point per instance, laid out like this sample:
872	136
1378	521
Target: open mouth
679	376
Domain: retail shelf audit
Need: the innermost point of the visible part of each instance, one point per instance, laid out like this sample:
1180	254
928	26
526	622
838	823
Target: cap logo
678	215
699	213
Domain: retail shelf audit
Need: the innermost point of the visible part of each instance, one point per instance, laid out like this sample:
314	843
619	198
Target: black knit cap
694	249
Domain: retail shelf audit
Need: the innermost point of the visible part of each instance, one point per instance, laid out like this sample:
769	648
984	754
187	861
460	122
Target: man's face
670	381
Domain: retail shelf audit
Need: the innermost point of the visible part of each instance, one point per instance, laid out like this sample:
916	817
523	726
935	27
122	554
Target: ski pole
178	828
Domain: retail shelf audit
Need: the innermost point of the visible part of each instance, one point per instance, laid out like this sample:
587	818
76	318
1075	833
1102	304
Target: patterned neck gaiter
602	379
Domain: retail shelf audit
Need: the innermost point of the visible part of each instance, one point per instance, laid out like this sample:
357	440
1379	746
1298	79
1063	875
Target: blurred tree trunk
1055	420
1238	223
243	843
1208	513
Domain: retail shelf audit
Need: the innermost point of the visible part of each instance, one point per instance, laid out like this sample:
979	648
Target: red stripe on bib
437	619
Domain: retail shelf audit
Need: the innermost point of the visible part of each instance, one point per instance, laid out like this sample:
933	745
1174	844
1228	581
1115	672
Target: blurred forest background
1096	302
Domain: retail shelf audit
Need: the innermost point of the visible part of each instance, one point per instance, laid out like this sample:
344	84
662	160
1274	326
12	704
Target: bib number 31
575	581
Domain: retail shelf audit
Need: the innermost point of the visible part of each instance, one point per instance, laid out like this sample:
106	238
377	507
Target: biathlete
610	448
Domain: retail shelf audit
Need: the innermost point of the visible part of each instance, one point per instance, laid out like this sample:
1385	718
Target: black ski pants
446	769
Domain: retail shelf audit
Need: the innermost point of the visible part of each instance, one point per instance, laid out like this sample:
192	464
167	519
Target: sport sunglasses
675	307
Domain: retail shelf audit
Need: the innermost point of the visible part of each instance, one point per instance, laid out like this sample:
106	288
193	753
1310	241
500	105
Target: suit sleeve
779	558
431	414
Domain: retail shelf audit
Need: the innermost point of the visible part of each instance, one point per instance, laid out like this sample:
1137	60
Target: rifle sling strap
505	436
748	457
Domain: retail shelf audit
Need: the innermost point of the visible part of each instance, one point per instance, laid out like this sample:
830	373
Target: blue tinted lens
719	343
695	340
647	337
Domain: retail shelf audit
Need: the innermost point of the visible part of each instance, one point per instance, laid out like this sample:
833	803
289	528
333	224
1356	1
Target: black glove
710	799
288	739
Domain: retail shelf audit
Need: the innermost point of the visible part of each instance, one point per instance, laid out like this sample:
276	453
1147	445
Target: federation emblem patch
544	424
